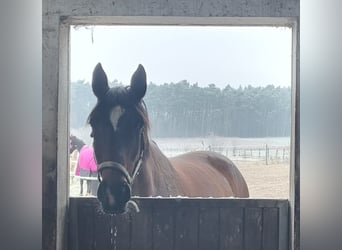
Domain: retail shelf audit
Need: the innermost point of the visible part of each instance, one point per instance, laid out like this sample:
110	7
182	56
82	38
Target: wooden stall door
177	224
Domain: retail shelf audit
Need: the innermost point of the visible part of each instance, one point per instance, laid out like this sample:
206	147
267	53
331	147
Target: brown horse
129	162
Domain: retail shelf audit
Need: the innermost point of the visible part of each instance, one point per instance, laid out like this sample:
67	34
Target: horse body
130	163
209	174
193	174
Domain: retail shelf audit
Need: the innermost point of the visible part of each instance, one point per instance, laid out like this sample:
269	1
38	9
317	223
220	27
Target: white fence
267	153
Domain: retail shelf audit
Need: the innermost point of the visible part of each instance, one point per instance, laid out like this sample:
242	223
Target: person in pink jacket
86	165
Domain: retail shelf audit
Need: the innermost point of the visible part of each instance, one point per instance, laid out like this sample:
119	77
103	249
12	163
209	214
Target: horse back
204	170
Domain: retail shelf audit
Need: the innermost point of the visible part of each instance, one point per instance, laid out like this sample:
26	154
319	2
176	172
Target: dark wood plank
209	228
102	229
73	236
253	229
284	228
141	237
186	228
270	232
122	231
85	227
163	227
231	228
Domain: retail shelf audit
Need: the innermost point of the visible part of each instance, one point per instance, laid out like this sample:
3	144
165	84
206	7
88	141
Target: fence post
266	154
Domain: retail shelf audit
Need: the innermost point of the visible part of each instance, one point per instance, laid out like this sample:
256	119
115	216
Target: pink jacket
86	160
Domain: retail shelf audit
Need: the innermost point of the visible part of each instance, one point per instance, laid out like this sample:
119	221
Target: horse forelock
116	96
115	103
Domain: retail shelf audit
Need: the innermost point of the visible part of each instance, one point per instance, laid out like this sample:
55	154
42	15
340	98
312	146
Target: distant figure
86	166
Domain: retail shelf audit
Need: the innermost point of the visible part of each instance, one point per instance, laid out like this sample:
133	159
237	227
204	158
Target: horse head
119	130
75	144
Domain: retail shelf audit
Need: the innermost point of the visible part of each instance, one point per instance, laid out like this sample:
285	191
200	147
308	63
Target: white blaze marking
115	115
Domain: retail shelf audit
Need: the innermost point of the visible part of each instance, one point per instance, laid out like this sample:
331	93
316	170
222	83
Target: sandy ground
264	181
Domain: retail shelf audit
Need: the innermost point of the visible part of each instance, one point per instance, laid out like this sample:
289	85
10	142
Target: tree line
187	110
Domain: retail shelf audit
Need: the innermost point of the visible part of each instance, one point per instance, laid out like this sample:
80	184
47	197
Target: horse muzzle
114	195
114	198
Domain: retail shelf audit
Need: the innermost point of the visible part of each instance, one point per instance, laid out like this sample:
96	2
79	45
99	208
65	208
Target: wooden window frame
56	56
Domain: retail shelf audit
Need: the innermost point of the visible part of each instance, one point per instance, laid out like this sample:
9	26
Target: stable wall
58	15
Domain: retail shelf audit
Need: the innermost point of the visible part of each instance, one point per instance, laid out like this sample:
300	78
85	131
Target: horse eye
92	134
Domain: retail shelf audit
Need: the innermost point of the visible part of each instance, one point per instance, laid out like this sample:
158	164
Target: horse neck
157	176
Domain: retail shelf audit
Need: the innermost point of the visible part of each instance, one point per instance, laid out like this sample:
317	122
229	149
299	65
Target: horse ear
100	81
138	83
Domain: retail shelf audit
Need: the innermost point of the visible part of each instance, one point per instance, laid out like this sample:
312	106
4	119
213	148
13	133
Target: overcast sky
200	54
